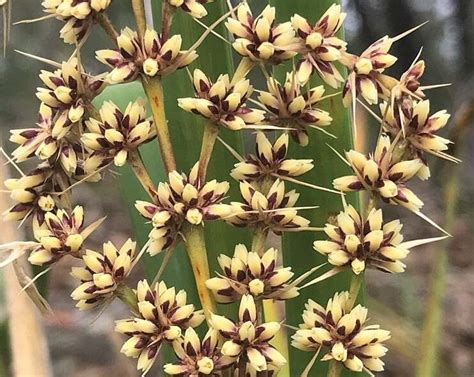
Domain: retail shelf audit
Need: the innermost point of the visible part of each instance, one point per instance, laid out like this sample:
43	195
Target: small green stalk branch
356	283
154	91
128	296
334	369
197	253
259	240
209	138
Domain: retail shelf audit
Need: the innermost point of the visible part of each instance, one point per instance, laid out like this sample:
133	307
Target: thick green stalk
334	369
154	91
128	296
196	249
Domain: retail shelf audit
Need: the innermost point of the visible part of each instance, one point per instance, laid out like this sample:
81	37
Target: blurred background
79	346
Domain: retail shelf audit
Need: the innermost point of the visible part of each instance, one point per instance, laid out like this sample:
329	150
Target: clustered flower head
184	198
196	357
343	332
418	129
383	175
222	102
270	159
248	273
152	56
272	211
261	38
366	77
61	234
363	243
77	14
31	195
69	89
291	106
409	85
117	134
248	339
102	273
162	316
322	48
195	8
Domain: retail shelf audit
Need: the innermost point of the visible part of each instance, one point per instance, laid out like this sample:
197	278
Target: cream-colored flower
273	211
183	198
61	234
382	174
162	316
194	8
196	357
321	46
270	159
152	56
418	129
102	273
222	102
343	333
248	273
363	243
261	38
248	339
290	105
116	133
366	77
69	89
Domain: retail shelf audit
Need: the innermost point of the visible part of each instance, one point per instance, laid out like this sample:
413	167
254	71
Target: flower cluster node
152	56
248	273
273	211
261	38
290	105
343	332
183	198
222	102
249	339
270	159
162	316
382	174
102	273
364	242
116	134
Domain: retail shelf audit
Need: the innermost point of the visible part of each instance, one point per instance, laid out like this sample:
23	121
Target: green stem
197	253
209	138
259	240
128	296
106	24
334	369
356	283
154	91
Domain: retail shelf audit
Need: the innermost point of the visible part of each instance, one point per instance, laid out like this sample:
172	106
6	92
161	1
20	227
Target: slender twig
141	172
106	24
209	138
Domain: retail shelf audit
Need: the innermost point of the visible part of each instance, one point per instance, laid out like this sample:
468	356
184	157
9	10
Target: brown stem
209	138
141	173
167	13
108	27
154	91
139	12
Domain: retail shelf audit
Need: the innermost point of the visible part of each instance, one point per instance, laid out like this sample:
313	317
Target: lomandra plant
75	142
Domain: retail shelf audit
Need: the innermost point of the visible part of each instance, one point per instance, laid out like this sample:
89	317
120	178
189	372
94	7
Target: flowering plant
75	142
